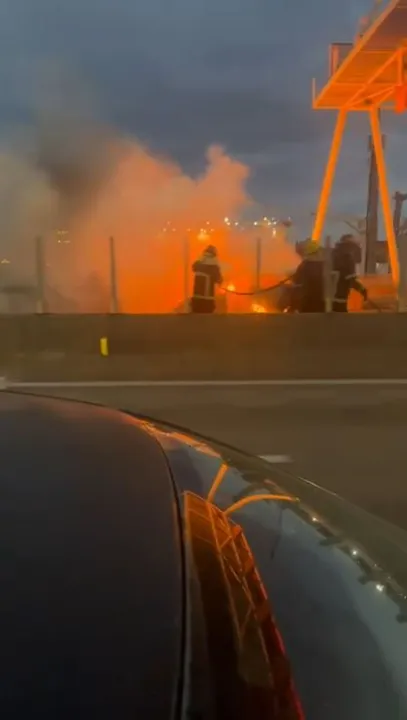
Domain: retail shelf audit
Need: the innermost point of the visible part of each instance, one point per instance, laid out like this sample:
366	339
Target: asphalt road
352	440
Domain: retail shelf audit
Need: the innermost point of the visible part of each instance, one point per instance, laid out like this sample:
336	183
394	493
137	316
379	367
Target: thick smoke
76	182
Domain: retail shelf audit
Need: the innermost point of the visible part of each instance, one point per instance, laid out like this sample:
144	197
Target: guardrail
218	347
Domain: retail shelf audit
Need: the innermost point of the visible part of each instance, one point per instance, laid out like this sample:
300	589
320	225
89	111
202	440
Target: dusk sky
183	74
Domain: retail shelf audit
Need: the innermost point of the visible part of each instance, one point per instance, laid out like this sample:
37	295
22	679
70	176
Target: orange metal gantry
368	75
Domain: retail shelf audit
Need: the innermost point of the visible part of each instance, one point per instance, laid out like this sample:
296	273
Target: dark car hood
334	575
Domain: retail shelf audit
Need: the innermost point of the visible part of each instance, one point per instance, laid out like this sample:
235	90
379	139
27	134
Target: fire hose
281	283
259	291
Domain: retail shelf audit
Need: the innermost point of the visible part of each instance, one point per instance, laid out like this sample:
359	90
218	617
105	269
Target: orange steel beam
358	46
380	98
392	59
381	95
329	176
384	83
377	100
385	195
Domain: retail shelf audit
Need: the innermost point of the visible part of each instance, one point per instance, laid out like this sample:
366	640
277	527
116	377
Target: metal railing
54	276
57	279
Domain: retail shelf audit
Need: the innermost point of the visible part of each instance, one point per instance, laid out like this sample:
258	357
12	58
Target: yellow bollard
104	347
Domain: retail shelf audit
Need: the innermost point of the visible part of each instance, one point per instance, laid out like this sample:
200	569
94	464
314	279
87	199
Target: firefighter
207	275
345	256
308	287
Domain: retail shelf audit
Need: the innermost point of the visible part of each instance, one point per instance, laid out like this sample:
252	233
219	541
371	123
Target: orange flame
257	308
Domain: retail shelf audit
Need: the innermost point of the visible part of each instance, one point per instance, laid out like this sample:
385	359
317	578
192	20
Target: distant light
380	588
315	519
355	552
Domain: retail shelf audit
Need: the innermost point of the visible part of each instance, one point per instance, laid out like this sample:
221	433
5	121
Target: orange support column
385	196
329	176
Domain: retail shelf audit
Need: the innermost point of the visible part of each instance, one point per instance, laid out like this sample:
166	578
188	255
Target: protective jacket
207	274
344	275
308	285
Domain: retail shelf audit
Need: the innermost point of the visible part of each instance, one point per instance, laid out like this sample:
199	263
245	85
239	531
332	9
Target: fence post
40	274
186	254
258	266
114	300
402	288
328	279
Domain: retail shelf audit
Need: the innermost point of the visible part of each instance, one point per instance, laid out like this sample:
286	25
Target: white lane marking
385	382
276	459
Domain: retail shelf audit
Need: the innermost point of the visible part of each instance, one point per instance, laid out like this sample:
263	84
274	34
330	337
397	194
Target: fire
231	287
257	308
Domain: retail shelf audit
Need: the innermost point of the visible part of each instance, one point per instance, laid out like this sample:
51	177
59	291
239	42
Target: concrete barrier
234	347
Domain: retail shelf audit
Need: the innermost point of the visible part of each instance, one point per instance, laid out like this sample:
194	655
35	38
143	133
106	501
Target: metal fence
55	277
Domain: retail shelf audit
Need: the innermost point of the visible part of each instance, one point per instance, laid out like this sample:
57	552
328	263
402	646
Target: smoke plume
76	182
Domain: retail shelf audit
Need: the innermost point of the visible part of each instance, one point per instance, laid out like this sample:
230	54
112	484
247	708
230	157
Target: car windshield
335	576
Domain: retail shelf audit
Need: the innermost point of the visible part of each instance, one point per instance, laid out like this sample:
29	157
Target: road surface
351	439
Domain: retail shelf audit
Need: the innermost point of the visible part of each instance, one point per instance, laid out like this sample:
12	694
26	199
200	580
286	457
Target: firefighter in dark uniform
346	256
307	283
207	275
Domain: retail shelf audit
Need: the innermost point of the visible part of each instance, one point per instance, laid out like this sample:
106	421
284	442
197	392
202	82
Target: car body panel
91	568
342	616
106	568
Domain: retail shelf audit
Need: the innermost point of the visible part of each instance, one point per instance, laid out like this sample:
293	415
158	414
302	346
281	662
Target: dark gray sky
182	74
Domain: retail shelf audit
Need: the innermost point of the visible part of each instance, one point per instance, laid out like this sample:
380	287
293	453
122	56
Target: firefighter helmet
310	247
211	250
353	245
